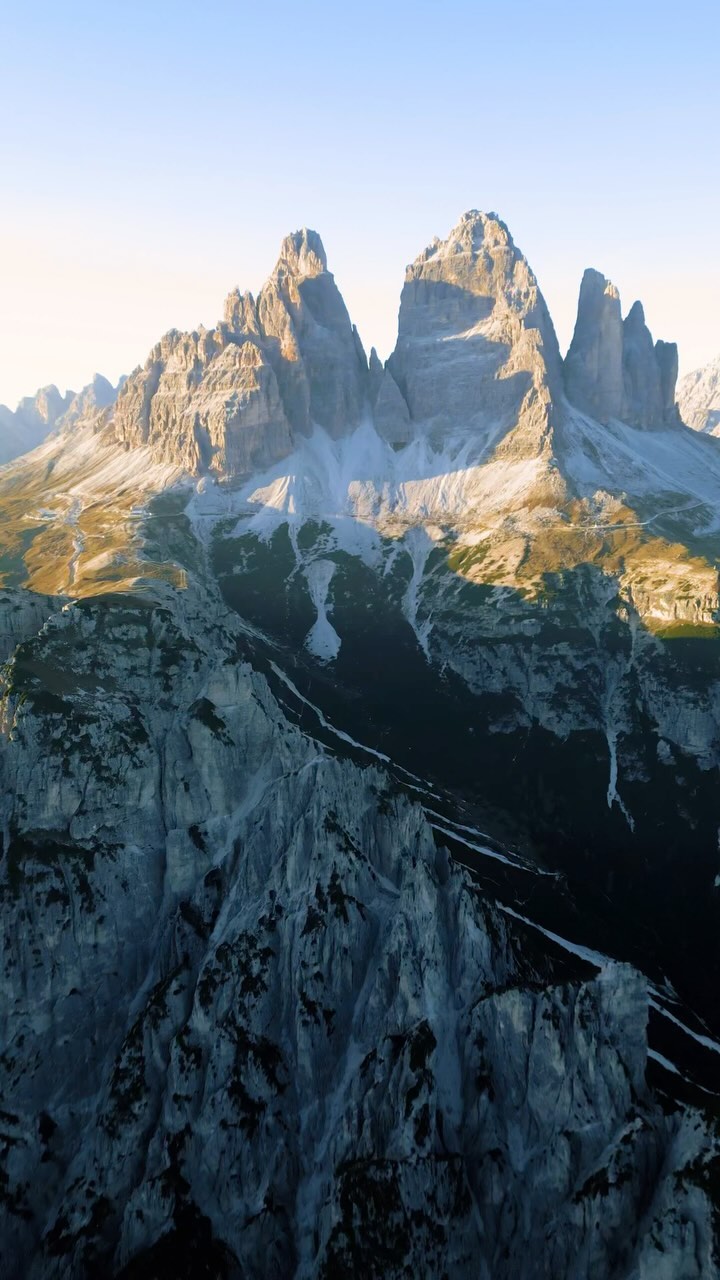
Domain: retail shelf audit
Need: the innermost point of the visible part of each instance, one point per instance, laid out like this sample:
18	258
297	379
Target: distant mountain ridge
48	410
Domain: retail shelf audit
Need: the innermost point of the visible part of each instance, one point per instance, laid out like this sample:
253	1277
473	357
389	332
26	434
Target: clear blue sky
153	155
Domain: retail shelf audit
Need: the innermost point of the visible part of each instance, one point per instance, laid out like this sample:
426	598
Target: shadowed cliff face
613	369
360	734
309	1042
561	726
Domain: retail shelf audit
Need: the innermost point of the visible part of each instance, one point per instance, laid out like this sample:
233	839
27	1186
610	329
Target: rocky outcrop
593	365
234	399
309	1044
317	354
699	398
476	350
390	412
613	369
97	395
666	355
204	402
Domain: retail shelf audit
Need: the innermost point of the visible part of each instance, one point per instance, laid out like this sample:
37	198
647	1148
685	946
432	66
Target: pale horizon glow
153	160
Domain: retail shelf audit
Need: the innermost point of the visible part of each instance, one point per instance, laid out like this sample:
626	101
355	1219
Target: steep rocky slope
255	1020
361	728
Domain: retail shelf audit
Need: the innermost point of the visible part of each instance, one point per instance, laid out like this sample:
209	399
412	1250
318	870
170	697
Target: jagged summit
471	313
302	254
476	361
481	262
47	404
612	368
32	420
233	399
98	394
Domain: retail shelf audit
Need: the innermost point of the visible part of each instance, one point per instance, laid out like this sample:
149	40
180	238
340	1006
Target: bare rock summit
613	369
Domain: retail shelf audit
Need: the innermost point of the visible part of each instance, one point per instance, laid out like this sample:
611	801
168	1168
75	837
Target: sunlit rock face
97	395
233	400
316	350
699	398
613	369
476	348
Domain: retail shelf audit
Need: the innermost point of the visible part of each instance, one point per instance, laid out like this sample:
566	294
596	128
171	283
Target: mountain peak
471	314
473	232
46	405
97	395
302	254
612	368
635	317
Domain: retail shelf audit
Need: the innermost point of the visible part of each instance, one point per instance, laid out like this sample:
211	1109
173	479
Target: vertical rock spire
612	368
594	363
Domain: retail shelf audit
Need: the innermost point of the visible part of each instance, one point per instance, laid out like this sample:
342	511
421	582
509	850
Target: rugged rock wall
254	1019
476	348
36	416
232	400
31	422
613	369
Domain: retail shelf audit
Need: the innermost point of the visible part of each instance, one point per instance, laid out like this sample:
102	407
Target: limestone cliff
254	1020
232	400
476	348
613	369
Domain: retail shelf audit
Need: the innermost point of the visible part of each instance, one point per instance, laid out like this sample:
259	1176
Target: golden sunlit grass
663	579
90	551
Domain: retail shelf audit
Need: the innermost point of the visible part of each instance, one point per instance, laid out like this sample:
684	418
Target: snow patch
418	545
595	958
322	639
675	1071
613	795
705	1041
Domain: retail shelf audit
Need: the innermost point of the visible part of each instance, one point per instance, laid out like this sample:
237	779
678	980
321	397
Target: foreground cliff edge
361	727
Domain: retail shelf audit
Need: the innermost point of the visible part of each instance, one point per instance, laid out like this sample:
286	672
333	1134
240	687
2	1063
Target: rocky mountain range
360	738
37	416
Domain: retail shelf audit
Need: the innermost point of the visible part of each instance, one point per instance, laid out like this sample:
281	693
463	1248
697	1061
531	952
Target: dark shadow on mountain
644	894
